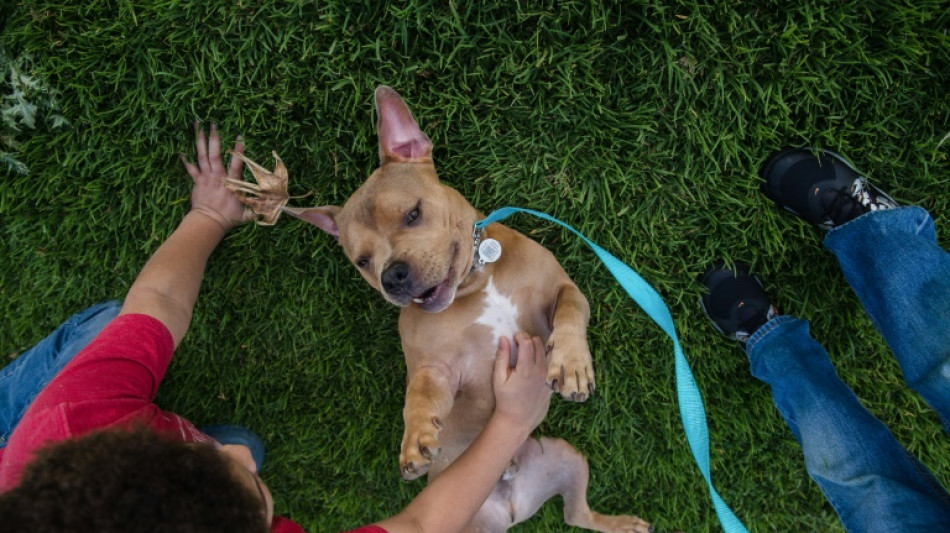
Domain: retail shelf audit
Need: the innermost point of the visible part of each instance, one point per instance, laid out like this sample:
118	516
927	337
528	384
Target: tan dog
412	239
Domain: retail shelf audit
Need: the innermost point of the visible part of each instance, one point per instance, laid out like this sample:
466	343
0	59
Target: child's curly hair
128	481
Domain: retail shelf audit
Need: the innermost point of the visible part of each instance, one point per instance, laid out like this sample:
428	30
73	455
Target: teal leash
691	403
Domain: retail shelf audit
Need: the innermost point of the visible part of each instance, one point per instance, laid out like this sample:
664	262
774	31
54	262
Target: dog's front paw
570	370
420	445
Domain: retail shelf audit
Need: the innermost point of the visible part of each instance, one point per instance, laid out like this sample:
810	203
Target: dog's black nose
396	279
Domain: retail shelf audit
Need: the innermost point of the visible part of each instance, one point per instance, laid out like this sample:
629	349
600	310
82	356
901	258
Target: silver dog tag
489	251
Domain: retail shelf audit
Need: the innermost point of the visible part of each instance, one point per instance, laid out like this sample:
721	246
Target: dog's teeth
418	300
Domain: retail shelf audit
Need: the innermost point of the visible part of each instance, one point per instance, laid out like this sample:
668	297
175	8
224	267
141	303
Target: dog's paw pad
419	448
428	453
414	469
409	472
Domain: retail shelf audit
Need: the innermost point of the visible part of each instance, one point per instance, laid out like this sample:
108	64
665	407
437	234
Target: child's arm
168	284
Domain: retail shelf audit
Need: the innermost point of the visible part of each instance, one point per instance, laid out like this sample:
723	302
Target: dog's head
407	234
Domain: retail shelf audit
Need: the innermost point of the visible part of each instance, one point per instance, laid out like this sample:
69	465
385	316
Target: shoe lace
865	195
840	206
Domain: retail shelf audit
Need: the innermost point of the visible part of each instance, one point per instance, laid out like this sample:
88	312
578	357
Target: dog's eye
362	262
412	216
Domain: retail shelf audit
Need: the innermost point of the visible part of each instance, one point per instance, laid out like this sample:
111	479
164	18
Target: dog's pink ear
400	138
323	217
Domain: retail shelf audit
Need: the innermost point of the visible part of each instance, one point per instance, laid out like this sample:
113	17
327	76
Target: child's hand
521	394
209	195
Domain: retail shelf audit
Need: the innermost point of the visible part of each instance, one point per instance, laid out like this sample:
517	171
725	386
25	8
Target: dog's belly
500	314
492	315
495	316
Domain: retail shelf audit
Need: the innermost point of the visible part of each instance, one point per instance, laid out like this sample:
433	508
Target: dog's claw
569	369
437	422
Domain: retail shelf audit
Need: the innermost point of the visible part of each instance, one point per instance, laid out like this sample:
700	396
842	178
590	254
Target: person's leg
889	256
231	434
23	379
872	482
902	277
867	476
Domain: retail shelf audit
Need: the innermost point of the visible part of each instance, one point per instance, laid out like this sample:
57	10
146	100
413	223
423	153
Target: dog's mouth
440	296
433	294
426	296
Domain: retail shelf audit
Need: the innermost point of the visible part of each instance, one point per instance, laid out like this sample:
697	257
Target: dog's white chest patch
500	314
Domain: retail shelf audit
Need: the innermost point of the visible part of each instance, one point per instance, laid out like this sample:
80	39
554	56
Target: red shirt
112	382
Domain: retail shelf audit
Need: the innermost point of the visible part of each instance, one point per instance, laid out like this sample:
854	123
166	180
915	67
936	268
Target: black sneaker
820	186
736	302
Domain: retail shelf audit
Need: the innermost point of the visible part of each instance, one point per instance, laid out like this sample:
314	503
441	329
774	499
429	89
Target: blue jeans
902	277
23	379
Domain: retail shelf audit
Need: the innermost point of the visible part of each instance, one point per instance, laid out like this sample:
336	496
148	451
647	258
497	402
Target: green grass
640	123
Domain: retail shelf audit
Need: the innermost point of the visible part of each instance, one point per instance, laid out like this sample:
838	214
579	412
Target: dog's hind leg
542	469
